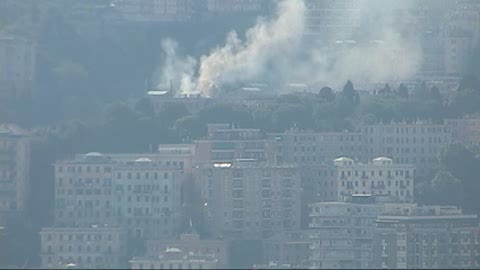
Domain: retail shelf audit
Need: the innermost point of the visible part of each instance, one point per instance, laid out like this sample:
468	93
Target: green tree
402	91
327	94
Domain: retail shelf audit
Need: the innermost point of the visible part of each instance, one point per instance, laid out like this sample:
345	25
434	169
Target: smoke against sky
271	49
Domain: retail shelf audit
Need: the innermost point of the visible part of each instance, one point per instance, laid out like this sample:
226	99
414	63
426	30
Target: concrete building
127	190
307	148
191	243
174	258
235	6
86	247
249	200
314	153
465	130
17	66
287	248
14	172
225	143
379	177
427	237
84	191
148	198
417	144
341	233
154	10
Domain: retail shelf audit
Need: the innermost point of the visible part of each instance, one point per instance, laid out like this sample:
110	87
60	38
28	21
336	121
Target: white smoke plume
275	49
268	40
175	69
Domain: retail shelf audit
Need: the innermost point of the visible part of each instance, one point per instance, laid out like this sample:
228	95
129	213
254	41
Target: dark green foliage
327	94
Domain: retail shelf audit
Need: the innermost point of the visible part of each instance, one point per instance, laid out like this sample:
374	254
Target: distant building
174	258
128	190
249	200
223	7
192	102
434	237
417	144
306	148
225	143
289	248
465	130
380	177
342	232
154	10
87	247
191	243
17	67
14	172
148	198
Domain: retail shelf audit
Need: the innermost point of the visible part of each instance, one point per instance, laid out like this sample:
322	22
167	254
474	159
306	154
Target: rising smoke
273	49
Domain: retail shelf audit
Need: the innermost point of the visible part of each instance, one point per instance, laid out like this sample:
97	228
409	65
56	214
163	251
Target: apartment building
85	247
17	61
84	191
431	237
225	143
307	148
465	130
14	172
379	177
191	243
129	190
341	233
417	143
148	198
290	248
246	199
174	258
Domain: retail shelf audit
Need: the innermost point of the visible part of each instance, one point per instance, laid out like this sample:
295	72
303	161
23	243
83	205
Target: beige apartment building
14	172
249	200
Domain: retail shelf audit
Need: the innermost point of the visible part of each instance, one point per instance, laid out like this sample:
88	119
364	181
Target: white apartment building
379	177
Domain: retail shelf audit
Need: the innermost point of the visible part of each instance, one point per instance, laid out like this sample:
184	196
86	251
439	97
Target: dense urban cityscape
242	134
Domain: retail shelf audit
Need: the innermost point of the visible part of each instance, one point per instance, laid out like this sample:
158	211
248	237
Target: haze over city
239	134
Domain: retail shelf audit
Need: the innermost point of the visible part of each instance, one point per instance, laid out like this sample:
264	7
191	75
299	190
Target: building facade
14	173
249	200
341	234
86	247
287	248
379	177
465	130
132	191
191	243
427	237
225	143
174	258
417	144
